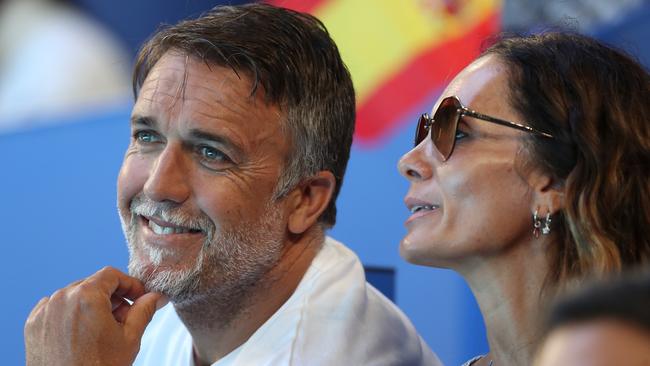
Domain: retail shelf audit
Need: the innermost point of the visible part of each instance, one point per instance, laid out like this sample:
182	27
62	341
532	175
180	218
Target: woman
531	174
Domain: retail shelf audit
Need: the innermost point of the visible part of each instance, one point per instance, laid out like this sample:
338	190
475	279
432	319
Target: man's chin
176	284
146	263
141	271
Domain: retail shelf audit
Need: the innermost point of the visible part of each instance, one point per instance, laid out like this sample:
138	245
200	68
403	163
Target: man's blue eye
211	153
145	136
460	135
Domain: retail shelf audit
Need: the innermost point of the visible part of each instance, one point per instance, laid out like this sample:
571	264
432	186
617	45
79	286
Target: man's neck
220	330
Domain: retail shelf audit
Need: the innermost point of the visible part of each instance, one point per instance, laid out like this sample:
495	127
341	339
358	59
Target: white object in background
55	63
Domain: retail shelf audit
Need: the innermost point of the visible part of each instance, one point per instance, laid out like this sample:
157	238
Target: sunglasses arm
468	112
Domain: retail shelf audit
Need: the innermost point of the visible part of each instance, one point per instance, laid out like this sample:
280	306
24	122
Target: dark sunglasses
444	124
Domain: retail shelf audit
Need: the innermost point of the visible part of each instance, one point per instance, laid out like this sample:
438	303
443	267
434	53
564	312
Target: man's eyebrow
143	120
197	134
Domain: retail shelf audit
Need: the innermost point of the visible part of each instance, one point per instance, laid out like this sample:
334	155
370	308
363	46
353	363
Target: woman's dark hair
595	101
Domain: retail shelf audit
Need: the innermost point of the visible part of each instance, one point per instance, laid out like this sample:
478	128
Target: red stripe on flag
387	106
305	6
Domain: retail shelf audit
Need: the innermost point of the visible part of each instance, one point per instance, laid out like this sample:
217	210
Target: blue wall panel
58	214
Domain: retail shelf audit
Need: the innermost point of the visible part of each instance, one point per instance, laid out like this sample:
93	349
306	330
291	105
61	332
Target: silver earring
537	223
547	224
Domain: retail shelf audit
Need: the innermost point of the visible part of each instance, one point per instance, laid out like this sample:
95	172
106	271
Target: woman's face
475	204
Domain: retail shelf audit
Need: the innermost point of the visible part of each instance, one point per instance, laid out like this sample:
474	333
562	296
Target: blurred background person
55	63
530	175
607	324
582	15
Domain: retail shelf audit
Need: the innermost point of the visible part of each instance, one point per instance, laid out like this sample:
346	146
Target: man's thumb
141	312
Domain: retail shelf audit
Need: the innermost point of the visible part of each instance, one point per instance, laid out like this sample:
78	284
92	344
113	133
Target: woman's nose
413	165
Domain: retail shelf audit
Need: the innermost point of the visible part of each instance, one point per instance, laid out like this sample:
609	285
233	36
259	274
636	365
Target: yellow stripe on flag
377	38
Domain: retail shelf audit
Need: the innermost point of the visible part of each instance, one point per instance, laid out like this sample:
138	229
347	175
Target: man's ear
548	193
308	200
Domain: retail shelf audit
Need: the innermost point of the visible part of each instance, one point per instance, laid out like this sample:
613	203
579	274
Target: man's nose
169	176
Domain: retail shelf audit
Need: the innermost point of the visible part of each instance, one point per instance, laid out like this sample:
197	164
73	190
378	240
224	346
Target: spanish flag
401	52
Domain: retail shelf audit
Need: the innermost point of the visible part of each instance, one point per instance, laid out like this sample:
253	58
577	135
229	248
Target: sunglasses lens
421	130
443	129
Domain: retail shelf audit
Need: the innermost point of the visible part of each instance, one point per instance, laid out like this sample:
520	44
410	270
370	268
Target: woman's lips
419	208
420	211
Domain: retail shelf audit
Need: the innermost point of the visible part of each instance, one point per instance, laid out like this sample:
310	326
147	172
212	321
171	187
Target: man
606	324
241	132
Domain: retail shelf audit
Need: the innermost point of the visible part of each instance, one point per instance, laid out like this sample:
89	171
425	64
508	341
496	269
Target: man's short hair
625	299
293	58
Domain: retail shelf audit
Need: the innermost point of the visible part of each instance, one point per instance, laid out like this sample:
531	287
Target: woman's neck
508	288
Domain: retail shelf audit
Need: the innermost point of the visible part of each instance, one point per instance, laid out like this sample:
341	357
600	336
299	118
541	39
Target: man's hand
90	322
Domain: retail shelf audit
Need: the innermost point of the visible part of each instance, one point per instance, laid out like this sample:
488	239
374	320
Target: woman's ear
548	193
308	201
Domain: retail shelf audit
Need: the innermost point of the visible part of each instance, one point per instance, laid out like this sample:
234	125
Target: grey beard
230	264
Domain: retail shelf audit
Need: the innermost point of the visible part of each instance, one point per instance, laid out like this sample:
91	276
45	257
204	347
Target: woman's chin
423	254
413	253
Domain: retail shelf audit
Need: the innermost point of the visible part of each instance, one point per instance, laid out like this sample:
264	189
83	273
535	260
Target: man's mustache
172	213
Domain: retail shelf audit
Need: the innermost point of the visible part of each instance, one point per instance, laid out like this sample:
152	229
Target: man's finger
117	301
140	314
39	305
73	284
120	312
114	282
35	319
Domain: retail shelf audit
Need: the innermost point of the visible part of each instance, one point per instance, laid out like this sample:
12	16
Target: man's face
196	185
